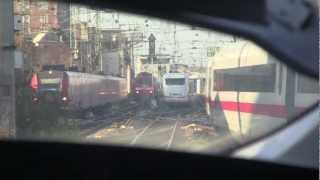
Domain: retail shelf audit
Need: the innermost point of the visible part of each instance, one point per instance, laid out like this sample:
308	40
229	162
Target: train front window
144	81
50	86
175	81
133	80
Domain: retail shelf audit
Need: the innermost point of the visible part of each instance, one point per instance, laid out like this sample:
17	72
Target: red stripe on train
272	110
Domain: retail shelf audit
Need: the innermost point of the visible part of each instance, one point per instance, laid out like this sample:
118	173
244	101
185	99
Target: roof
245	52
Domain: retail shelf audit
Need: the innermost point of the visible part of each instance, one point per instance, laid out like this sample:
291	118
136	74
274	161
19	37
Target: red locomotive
146	85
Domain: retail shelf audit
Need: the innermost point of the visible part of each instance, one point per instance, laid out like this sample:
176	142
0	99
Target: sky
185	45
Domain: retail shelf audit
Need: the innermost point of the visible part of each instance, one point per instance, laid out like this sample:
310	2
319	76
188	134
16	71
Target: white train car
248	92
175	87
82	90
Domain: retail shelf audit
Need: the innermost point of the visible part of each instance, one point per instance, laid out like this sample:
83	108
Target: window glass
175	81
78	75
43	5
307	85
260	78
144	79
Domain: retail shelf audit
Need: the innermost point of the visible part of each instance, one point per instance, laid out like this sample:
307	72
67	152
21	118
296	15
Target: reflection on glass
112	77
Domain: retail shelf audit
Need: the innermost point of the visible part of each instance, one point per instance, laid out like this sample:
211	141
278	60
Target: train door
192	87
263	104
290	91
217	104
306	92
256	97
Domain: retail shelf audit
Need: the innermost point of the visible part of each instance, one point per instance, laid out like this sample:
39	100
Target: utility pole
70	7
175	43
7	78
132	56
98	31
70	23
152	51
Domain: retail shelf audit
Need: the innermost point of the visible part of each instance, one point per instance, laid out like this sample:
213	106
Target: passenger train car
76	91
82	90
175	87
249	92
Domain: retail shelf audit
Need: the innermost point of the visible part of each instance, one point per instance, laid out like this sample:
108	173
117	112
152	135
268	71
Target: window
26	23
44	19
43	5
50	81
144	80
27	19
175	109
49	86
27	4
307	85
44	23
260	78
175	81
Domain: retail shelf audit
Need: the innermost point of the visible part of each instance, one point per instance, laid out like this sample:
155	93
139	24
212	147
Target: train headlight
151	92
137	92
64	99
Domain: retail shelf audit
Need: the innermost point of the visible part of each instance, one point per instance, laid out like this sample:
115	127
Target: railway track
92	120
134	124
164	128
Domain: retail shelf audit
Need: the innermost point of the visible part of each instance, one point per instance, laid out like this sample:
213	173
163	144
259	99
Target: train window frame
273	86
184	81
272	89
144	80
